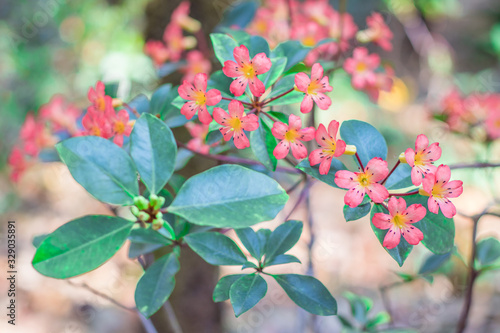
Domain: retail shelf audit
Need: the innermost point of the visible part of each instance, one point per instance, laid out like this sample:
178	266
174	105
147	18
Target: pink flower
235	122
439	188
35	136
158	51
181	17
492	122
196	63
96	123
98	97
18	163
309	33
342	28
246	70
198	98
176	42
378	32
62	116
422	158
383	82
361	66
199	133
360	183
291	136
120	125
314	89
399	222
330	147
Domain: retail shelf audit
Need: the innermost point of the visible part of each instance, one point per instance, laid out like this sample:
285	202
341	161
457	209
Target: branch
98	293
474	165
276	97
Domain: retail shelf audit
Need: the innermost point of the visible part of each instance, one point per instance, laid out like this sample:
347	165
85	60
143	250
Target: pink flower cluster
477	110
435	182
174	44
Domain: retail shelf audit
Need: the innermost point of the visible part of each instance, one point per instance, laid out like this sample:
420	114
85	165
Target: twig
303	194
131	109
236	160
233	99
474	165
176	328
390	173
276	97
98	293
359	162
402	194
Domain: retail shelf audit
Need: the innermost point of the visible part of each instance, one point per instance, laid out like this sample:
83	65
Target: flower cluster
174	44
476	115
435	183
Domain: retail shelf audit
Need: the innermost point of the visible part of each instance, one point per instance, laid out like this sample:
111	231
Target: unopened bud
143	216
116	102
189	42
141	202
350	150
190	24
364	36
402	158
157	224
159	203
134	210
153	200
158	216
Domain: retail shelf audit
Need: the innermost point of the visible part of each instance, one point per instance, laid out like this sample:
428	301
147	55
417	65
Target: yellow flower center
399	221
291	135
309	41
200	98
330	149
235	124
438	191
364	179
119	127
96	131
418	159
248	71
313	86
101	104
360	67
496	124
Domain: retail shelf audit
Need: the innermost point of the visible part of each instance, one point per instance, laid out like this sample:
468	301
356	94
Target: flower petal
279	129
204	116
261	63
189	109
226	132
316	156
302	81
200	82
235	109
307	134
307	104
294	122
412	234
231	69
186	90
333	128
443	174
346	179
354	196
454	188
340	147
299	151
241	55
221	116
316	72
325	165
410	157
238	86
378	168
428	183
240	140
250	122
433	152
322	136
421	143
447	207
396	206
256	86
282	149
416	175
432	205
392	238
213	97
322	100
382	221
377	192
415	213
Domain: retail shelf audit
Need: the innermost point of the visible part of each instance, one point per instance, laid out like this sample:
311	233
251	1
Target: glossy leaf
352	214
283	85
215	248
226	197
313	171
433	262
283	259
154	150
251	241
156	285
105	170
221	291
488	250
263	144
81	245
223	47
400	178
283	239
161	101
275	72
145	241
308	293
293	50
240	14
368	141
246	292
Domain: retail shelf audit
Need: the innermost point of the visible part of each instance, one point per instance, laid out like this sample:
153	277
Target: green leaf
488	250
280	116
283	85
223	47
81	245
308	293
37	240
379	319
368	141
400	252
154	150
144	241
105	170
226	197
313	171
293	50
176	182
283	259
438	230
140	103
433	262
239	14
400	178
258	45
283	239
263	144
221	291
352	214
360	306
263	235
251	241
215	248
156	285
249	264
161	101
246	292
275	72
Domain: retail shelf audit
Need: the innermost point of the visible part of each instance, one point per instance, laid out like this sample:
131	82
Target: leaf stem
359	162
276	97
233	99
131	109
269	116
403	194
390	173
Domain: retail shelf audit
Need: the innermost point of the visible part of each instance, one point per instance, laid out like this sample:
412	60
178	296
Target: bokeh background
63	46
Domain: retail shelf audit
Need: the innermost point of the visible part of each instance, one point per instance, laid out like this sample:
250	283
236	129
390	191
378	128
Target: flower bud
159	203
157	224
116	102
189	24
143	216
134	210
141	202
153	200
402	158
350	150
189	42
158	216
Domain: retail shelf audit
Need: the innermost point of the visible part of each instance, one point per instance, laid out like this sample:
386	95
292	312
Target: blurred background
63	47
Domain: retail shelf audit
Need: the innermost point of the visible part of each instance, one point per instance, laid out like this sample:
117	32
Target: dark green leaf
263	144
368	141
488	250
156	285
37	240
402	250
280	116
246	292
283	259
283	85
263	235
352	214
360	306
223	47
313	171
275	72
251	241
239	14
400	178
215	248
154	150
81	245
105	170
283	239
221	291
140	103
293	50
308	293
161	101
433	262
379	319
226	196
249	264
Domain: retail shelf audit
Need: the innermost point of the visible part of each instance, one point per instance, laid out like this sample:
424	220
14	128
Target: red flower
17	161
235	122
360	183
96	123
35	136
439	188
399	222
330	147
422	158
120	126
314	89
198	98
158	51
291	136
98	97
246	70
